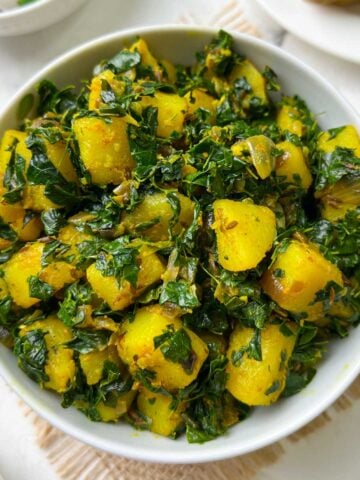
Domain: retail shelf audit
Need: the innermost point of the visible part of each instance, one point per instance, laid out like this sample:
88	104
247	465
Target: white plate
333	29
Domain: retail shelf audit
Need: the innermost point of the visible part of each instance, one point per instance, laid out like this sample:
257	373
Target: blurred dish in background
334	30
341	3
18	17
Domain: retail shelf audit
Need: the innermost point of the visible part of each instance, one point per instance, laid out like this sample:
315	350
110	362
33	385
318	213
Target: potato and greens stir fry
178	244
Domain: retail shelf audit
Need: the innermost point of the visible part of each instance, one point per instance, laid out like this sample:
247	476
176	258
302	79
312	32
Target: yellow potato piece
147	58
244	233
112	414
92	363
254	78
293	164
60	365
95	101
157	207
104	148
289	119
72	236
348	137
14	216
34	195
297	275
156	408
120	297
136	347
198	98
171	112
259	382
27	262
340	198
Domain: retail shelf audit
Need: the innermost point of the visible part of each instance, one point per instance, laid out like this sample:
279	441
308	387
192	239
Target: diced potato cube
198	98
156	408
244	233
259	382
121	296
156	208
60	365
110	413
27	262
147	58
14	216
92	363
34	195
95	100
340	198
104	148
289	118
171	112
247	70
297	275
72	236
137	349
348	137
293	165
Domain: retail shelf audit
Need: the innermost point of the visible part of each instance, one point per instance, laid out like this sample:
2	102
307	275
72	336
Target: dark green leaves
26	103
53	219
53	100
14	178
71	310
143	144
176	347
86	341
122	262
334	166
32	354
41	171
39	289
295	382
6	232
123	61
181	293
5	307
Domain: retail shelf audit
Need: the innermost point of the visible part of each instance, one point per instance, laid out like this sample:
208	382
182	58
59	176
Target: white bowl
266	425
18	20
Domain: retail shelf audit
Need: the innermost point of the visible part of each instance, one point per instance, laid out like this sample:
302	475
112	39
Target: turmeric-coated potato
347	137
289	118
338	199
253	77
292	165
34	195
198	98
171	112
297	275
121	296
147	58
244	233
112	413
92	363
60	365
71	236
26	263
156	408
96	87
15	216
156	210
104	148
254	381
142	345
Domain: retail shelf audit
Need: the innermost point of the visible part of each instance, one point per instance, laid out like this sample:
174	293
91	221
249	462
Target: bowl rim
19	10
198	455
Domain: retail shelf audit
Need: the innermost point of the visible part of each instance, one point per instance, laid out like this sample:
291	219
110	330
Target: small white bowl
18	20
266	425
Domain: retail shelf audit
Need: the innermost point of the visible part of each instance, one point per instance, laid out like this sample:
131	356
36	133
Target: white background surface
329	454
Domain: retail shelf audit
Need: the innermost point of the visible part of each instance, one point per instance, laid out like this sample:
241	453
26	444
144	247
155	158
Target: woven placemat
74	460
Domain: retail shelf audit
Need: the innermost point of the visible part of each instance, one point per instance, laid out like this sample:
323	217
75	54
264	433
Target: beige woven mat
75	461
